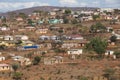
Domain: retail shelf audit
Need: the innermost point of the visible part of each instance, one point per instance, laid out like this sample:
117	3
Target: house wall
4	68
2	58
109	53
78	52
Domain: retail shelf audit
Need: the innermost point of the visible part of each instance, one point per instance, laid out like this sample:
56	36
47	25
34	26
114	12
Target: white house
21	37
5	67
75	51
4	28
2	58
8	38
109	52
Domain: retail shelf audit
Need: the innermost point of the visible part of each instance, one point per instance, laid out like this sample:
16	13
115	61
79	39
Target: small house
109	53
4	28
2	58
42	31
16	58
76	37
28	47
40	22
19	19
8	38
52	13
43	37
74	43
75	51
53	60
54	21
30	28
5	67
27	43
21	37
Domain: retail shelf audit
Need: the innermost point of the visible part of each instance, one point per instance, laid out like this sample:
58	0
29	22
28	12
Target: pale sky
9	5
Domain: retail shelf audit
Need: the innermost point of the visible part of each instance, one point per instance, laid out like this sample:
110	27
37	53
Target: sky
10	5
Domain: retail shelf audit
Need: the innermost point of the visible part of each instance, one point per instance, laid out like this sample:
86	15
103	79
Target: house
54	21
30	28
53	60
109	53
109	29
28	47
5	67
86	18
75	51
7	43
74	43
4	28
21	37
22	60
16	58
76	37
52	13
19	19
117	35
46	45
43	37
2	58
8	38
27	43
54	37
40	21
25	61
42	31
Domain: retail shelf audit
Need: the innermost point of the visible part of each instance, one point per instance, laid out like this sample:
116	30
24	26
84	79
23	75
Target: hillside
46	8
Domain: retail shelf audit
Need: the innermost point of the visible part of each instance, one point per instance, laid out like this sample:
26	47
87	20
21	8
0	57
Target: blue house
40	21
54	21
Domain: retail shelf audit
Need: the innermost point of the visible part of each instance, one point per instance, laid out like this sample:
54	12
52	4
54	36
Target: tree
117	53
19	42
23	15
108	73
65	20
113	38
30	21
36	60
17	76
15	67
74	21
2	47
98	27
67	11
98	45
95	17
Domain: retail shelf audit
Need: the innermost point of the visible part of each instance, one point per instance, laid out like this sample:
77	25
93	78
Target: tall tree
15	67
36	60
98	27
98	45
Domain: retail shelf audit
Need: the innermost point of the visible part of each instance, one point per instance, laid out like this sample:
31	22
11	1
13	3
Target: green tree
117	53
98	45
67	11
65	20
19	42
2	47
98	27
74	21
36	60
23	15
95	17
113	38
108	73
17	76
30	22
15	67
